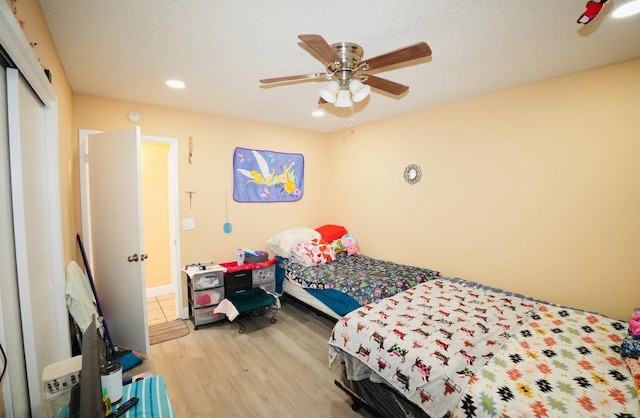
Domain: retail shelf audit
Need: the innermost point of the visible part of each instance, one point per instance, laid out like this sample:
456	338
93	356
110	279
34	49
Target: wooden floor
271	370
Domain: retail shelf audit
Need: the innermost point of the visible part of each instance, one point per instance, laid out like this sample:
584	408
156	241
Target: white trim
9	283
159	291
17	46
56	244
84	191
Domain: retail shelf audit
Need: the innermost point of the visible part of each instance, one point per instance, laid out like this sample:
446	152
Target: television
86	397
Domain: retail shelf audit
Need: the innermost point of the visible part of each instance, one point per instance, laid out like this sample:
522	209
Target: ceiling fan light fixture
628	9
329	92
359	90
343	99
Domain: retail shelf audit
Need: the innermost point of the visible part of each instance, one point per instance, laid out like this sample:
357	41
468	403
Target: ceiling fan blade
320	47
419	50
385	85
295	77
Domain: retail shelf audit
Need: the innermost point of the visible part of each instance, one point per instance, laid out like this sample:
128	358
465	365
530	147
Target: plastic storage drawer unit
263	275
208	297
237	282
207	279
265	278
206	315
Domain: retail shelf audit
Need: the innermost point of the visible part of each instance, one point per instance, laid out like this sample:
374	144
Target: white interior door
116	234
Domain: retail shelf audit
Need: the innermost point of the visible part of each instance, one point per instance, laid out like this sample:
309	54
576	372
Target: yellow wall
155	212
210	175
534	189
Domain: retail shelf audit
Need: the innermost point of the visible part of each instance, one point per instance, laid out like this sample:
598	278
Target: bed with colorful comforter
351	281
450	347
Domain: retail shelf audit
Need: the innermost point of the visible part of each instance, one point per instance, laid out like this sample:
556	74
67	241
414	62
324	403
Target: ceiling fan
348	72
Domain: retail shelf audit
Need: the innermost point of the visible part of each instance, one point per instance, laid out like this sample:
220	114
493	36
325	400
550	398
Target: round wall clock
412	173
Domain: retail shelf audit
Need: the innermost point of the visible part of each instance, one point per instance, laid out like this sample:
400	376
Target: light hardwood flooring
271	370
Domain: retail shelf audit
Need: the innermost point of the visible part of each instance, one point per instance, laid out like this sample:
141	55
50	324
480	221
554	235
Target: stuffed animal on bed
634	325
593	9
350	244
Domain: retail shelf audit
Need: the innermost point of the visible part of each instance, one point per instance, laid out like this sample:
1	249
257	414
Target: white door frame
174	231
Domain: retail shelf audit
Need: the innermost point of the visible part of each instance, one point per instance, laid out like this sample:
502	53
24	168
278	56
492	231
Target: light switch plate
188	224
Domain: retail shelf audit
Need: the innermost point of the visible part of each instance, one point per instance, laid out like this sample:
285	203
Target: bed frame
371	397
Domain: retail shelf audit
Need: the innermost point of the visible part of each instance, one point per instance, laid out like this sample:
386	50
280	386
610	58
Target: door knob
132	258
144	257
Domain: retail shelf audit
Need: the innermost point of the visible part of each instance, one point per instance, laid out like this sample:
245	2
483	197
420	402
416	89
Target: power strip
63	375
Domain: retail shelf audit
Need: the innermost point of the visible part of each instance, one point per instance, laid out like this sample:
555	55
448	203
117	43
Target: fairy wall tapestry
267	176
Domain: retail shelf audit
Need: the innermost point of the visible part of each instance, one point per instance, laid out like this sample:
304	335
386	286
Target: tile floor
161	309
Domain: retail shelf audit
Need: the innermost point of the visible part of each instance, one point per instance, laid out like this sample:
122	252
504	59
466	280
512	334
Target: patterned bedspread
363	278
449	345
563	362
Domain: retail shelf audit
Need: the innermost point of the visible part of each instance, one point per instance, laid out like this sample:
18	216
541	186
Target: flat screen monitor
86	397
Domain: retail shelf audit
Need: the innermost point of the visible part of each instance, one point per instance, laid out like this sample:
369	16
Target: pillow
313	252
331	233
282	242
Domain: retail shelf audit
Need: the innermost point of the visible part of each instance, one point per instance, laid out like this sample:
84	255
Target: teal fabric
251	300
153	400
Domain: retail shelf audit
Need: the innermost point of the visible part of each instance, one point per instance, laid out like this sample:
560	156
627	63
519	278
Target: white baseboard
159	290
185	314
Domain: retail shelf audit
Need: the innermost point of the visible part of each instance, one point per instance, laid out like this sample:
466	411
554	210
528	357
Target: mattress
299	293
339	287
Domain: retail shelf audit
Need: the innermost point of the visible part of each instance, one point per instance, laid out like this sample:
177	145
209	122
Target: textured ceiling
126	49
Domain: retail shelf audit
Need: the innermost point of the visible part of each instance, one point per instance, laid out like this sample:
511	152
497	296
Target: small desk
153	399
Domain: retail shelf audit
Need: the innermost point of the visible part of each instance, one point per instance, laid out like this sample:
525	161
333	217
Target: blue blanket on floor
337	301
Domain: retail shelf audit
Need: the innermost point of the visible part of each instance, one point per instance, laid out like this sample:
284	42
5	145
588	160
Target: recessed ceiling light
176	84
628	9
317	113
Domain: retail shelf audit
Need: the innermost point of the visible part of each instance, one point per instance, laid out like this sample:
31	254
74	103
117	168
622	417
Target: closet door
14	383
34	325
35	199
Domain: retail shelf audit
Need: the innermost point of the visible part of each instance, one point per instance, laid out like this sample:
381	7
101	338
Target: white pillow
282	242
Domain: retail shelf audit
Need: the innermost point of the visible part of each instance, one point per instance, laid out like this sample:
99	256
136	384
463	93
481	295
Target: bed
451	347
323	269
348	282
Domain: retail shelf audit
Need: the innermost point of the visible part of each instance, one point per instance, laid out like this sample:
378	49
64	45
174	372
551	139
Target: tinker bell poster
267	176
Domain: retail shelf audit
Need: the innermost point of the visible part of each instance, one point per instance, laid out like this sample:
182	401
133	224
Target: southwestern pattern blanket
451	346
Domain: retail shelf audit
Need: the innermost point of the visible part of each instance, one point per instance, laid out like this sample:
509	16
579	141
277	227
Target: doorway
164	279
